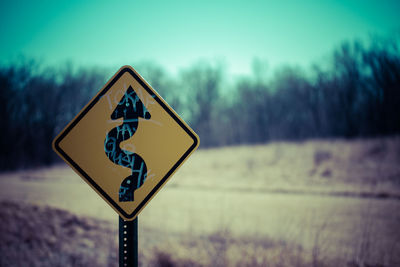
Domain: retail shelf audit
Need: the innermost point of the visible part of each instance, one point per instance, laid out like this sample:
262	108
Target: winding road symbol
130	108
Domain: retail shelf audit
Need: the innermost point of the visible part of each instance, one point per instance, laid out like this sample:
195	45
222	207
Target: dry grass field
315	203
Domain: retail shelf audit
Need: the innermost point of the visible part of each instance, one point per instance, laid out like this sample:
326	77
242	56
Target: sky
176	34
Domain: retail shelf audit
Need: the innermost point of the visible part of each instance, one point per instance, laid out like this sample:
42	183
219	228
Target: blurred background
297	105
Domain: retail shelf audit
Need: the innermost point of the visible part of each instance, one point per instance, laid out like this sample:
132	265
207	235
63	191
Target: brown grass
316	203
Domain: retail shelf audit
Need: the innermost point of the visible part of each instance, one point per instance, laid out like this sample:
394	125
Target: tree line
353	93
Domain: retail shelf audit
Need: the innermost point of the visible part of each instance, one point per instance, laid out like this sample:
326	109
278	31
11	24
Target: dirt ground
316	203
43	236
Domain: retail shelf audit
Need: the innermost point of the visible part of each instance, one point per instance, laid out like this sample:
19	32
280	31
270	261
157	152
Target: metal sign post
128	243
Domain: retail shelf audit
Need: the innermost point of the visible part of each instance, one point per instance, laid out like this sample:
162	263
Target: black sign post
128	243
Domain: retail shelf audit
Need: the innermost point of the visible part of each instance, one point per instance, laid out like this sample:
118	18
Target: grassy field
315	203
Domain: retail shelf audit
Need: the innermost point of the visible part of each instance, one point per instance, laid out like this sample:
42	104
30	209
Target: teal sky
178	33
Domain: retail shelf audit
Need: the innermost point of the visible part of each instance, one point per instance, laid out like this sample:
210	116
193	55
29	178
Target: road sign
126	143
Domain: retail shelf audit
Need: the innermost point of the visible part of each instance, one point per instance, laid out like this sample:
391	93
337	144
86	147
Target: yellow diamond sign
126	143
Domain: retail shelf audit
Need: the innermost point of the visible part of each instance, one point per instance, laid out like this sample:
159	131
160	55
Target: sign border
90	105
